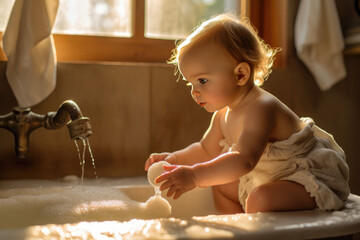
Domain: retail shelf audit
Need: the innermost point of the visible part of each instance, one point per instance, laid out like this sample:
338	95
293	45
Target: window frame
272	26
138	48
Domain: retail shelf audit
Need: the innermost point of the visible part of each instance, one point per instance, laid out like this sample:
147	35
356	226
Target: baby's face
210	71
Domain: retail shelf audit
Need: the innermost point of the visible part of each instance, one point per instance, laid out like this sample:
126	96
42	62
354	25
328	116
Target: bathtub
193	216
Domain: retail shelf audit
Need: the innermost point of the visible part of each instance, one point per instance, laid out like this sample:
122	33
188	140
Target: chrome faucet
21	122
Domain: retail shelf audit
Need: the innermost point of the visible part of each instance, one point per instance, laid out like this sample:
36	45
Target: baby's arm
258	123
198	152
190	155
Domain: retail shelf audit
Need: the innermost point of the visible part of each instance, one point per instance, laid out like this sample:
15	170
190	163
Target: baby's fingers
149	162
171	191
178	194
153	158
169	168
162	177
166	185
166	175
159	156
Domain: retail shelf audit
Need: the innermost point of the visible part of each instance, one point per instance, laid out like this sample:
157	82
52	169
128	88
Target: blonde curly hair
238	37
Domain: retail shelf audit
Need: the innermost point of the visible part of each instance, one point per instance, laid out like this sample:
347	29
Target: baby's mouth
202	104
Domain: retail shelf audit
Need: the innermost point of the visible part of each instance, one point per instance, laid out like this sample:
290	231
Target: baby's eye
202	80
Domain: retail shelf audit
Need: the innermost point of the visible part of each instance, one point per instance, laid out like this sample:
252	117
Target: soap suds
200	232
157	201
34	205
70	178
156	170
307	224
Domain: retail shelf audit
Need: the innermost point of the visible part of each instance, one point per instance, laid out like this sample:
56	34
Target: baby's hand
157	157
179	179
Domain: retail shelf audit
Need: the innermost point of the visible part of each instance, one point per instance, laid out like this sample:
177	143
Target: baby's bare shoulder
264	103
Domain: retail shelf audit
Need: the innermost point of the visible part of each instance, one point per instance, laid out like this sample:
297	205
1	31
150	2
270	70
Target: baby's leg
279	196
226	198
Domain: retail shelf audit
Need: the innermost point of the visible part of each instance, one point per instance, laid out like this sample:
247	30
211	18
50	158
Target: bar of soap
156	170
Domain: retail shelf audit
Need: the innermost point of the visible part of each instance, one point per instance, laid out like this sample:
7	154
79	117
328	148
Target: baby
257	154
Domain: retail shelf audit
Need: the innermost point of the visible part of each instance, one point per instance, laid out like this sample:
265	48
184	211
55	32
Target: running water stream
86	145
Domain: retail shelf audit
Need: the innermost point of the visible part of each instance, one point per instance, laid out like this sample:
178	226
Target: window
128	30
175	19
5	12
97	18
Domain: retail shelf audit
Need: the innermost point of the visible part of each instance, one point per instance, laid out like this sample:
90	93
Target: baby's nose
195	92
195	97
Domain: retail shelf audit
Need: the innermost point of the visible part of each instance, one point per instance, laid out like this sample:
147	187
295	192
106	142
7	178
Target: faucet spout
69	113
21	122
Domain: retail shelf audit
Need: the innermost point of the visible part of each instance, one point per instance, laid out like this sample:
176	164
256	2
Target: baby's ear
242	72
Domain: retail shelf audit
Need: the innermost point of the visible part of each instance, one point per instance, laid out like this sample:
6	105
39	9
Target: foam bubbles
156	203
70	178
196	231
156	170
58	205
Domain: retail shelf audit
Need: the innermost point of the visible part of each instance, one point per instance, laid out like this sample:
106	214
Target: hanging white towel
29	47
319	41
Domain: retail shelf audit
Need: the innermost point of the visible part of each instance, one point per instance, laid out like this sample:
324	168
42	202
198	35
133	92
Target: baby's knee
259	200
